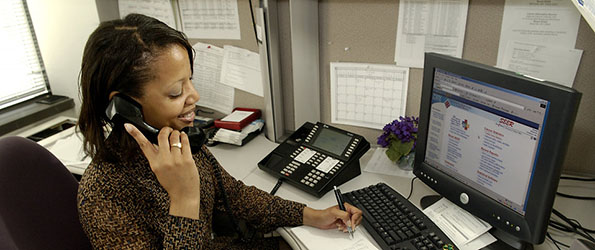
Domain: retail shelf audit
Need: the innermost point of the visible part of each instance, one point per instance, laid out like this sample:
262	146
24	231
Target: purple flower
382	140
403	129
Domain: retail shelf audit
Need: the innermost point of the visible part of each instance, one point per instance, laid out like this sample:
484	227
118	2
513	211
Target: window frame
32	93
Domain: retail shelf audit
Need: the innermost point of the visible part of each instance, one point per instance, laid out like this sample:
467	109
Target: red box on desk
239	125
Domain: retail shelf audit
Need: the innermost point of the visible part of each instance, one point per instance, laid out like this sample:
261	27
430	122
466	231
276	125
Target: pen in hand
339	197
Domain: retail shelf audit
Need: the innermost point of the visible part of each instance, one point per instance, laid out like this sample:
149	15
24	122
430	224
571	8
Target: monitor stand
428	200
507	242
504	240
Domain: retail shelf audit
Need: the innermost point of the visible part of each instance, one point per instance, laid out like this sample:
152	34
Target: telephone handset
317	157
123	109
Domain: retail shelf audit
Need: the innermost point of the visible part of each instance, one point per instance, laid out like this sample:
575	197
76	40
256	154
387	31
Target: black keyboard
394	222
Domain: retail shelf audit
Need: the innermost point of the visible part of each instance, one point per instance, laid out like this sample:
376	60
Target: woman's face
169	99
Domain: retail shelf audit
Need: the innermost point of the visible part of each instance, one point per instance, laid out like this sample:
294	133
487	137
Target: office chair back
38	207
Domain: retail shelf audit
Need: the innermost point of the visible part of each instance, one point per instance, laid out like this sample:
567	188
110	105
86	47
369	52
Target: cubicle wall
108	10
365	31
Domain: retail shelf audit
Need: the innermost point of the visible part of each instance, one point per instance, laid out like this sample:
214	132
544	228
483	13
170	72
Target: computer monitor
493	142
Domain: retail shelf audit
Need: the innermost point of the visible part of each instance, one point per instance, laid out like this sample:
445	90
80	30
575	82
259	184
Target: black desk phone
122	109
317	157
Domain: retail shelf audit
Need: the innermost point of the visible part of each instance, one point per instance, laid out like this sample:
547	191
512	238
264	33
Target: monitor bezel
564	103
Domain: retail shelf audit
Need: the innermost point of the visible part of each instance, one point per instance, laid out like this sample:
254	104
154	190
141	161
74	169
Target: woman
139	195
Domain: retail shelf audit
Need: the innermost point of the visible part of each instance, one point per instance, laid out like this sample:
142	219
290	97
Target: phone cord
219	178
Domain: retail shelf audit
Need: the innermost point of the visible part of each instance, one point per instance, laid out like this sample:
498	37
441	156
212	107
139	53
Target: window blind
22	73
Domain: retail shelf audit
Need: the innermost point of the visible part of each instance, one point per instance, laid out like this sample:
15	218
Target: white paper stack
69	150
236	137
318	239
465	230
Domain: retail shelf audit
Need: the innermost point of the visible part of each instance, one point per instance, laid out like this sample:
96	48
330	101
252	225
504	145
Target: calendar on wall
367	95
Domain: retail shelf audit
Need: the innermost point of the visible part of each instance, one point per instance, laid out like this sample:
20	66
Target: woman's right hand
174	167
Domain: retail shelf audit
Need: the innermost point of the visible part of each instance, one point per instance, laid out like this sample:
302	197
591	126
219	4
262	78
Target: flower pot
406	162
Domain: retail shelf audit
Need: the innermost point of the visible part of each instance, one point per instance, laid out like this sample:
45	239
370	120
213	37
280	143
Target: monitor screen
485	136
493	142
331	141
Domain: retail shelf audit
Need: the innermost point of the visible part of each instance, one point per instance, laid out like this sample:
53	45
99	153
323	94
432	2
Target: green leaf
398	149
393	155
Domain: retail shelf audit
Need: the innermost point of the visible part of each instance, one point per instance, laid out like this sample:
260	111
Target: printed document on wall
549	22
367	95
554	64
159	9
589	7
241	70
210	19
429	26
207	70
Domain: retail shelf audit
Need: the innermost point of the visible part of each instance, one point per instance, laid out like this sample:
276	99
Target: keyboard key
389	240
402	235
394	235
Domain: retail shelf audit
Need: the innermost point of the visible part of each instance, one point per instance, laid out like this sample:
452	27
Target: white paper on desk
554	64
553	22
236	137
241	70
207	70
210	19
228	136
367	95
237	116
379	163
479	242
318	239
69	150
159	9
459	225
429	26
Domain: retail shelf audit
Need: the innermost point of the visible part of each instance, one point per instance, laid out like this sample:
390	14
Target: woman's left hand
333	217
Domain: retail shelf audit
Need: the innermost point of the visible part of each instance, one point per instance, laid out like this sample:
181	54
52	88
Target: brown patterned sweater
122	206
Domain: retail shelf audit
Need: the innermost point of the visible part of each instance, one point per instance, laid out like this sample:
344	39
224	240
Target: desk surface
241	162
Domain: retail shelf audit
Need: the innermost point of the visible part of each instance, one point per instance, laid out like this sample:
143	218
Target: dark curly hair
118	57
